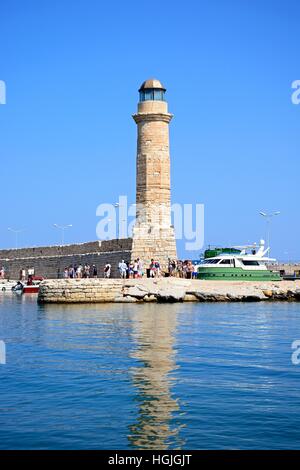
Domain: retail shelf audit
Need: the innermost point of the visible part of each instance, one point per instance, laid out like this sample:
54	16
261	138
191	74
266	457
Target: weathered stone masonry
165	290
153	235
50	261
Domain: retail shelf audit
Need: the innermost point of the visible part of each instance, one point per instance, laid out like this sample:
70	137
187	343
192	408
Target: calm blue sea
183	376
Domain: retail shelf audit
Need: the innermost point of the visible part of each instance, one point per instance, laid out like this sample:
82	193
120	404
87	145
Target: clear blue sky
67	139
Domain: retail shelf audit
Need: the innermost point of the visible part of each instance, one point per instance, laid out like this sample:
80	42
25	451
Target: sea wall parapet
50	262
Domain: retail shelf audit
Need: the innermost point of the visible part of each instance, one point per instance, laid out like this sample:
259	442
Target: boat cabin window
211	261
225	261
248	262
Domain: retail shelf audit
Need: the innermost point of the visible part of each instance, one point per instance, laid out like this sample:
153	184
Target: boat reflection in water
154	330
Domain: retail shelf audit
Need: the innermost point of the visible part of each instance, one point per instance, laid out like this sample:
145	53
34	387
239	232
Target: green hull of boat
237	274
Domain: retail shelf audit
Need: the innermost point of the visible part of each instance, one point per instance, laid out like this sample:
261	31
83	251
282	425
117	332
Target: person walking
107	270
130	270
86	271
135	269
189	270
94	271
140	268
122	269
195	271
72	272
79	272
31	272
184	269
172	267
180	269
152	268
157	269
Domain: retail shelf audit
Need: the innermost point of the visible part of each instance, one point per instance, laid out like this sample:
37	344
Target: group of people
126	269
80	271
131	270
135	269
154	268
23	274
176	268
26	274
183	269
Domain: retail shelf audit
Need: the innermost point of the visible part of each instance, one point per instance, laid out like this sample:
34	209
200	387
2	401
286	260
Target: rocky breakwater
164	290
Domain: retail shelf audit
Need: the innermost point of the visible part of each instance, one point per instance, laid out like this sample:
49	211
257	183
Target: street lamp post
288	259
117	205
16	232
62	228
268	217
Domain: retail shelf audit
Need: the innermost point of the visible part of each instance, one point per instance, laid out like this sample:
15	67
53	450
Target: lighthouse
153	234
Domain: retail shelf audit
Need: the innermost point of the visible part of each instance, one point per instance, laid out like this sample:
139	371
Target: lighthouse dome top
152	90
152	83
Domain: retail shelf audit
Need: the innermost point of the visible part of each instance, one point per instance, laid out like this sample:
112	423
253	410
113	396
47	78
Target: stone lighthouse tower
153	235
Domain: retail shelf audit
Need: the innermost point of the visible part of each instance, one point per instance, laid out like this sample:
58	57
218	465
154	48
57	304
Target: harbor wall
164	290
51	261
287	268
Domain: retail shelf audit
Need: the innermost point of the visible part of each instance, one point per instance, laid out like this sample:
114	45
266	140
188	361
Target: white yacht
245	263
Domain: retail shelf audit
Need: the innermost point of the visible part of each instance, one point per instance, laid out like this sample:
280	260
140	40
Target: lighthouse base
160	246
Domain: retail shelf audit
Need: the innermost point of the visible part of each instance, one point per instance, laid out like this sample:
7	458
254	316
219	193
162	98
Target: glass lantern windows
148	95
158	95
152	94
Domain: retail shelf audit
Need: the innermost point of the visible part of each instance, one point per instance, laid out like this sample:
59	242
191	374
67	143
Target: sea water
149	376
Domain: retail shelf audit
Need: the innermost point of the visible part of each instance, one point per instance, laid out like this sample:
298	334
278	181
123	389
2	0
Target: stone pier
164	290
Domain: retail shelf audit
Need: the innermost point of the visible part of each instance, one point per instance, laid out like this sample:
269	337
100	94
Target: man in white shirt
123	269
31	272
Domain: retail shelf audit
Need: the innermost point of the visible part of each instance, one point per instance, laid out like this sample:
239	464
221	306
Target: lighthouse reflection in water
154	336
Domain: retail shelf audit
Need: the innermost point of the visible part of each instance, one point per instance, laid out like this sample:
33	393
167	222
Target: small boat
33	289
238	264
7	286
18	287
32	286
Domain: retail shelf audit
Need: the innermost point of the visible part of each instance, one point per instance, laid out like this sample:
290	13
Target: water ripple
178	376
